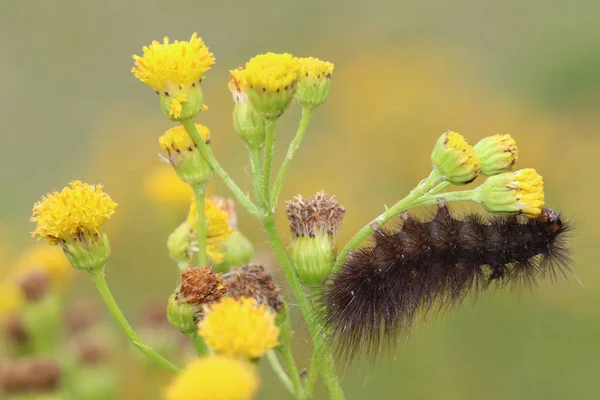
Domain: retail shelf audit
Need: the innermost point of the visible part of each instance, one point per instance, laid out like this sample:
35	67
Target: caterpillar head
551	219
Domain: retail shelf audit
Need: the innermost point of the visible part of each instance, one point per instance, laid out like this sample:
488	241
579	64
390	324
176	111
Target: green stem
255	169
326	363
199	345
200	195
280	372
285	349
313	374
430	199
269	153
208	155
100	281
433	180
307	113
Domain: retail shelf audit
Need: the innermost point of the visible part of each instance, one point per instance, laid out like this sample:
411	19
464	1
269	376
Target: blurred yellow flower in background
47	258
12	298
218	226
165	188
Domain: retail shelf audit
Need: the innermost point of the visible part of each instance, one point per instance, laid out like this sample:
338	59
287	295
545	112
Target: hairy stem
255	168
208	155
285	349
199	345
280	372
100	281
307	113
313	374
433	180
266	173
200	196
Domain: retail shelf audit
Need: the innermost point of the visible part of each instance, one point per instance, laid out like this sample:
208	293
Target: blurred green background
404	73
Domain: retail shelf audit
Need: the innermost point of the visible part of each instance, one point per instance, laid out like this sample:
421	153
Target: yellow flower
165	188
218	227
214	378
314	81
270	82
174	71
80	209
12	298
521	191
49	259
239	328
497	154
453	158
184	156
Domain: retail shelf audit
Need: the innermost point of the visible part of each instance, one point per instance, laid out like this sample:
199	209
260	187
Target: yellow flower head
218	227
268	81
79	209
214	378
177	139
497	154
455	159
49	259
173	69
521	191
12	298
239	328
314	81
314	69
166	189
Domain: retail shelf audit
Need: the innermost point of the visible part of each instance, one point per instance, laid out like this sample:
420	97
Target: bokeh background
404	73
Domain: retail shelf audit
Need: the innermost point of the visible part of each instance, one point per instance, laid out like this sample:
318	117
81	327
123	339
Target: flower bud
521	192
314	81
184	156
454	159
181	315
178	245
250	126
238	250
90	255
314	223
497	154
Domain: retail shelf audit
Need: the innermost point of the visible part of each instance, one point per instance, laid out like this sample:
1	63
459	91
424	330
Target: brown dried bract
35	284
319	213
15	331
30	375
254	282
201	286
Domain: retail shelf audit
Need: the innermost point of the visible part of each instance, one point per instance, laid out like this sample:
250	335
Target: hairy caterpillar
430	266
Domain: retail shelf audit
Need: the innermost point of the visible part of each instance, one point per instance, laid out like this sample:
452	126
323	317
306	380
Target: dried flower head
30	375
175	70
239	328
319	214
35	284
201	286
252	281
214	378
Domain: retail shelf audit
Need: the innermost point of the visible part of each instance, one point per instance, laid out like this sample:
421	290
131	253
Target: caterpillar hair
426	267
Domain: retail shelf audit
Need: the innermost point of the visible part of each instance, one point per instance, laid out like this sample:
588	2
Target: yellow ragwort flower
184	155
239	328
314	81
49	259
454	159
521	192
12	298
218	227
165	188
238	84
497	154
80	209
270	81
175	70
214	378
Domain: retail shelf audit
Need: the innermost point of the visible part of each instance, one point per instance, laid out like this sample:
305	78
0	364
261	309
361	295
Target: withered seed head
254	282
35	284
317	214
201	286
15	331
29	375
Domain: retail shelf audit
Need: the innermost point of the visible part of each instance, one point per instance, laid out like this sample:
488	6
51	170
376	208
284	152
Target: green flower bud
497	154
250	126
314	223
184	156
178	105
238	251
181	315
90	254
314	81
454	159
178	244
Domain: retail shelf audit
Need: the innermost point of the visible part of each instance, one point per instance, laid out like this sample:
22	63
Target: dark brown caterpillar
430	266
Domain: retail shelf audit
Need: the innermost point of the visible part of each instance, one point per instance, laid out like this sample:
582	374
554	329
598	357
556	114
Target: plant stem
307	113
279	371
208	155
430	199
255	169
269	153
326	364
433	180
199	345
200	195
285	349
313	374
100	281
